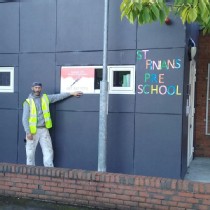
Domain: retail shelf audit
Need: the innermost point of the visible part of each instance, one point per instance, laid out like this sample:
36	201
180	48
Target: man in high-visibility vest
36	122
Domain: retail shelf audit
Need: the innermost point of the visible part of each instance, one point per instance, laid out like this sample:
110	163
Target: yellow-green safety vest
33	113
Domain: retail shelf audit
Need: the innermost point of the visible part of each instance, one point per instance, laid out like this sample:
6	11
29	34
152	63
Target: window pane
4	78
121	79
98	78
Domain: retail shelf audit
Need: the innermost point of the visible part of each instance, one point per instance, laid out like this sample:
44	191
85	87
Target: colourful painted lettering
178	64
161	77
163	64
177	91
140	89
162	89
146	77
156	89
141	54
149	64
153	78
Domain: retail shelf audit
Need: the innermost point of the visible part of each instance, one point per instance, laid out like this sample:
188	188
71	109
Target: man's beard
36	93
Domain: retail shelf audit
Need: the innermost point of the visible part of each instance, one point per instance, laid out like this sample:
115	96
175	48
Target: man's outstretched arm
58	97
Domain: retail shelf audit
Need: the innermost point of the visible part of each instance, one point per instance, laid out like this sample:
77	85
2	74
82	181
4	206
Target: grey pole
103	112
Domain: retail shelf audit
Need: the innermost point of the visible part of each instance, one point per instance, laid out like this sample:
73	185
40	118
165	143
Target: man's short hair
36	84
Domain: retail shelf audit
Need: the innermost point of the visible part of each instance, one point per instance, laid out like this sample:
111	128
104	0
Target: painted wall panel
122	34
38	26
120	142
87	33
90	102
9	59
121	103
156	35
9	24
87	102
160	90
76	143
9	101
79	58
9	132
122	57
36	67
158	145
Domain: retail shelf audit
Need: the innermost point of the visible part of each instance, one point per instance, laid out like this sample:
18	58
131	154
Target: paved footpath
9	203
199	170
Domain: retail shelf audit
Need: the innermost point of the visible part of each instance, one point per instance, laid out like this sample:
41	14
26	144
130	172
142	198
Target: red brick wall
201	141
104	190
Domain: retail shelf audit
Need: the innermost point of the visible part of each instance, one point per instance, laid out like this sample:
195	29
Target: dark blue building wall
144	131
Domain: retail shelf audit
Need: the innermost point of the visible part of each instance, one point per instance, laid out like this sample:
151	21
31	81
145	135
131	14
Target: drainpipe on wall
103	110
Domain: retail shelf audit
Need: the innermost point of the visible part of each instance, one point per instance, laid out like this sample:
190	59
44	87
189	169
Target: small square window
6	79
122	79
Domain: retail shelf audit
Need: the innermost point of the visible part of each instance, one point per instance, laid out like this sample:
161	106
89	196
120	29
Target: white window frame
121	90
10	88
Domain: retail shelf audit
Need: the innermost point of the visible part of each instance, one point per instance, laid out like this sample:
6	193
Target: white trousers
43	137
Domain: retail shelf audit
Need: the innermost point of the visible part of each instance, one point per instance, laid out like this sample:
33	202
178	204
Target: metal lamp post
103	112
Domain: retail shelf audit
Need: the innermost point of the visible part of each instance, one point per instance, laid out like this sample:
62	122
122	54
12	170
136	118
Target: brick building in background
202	141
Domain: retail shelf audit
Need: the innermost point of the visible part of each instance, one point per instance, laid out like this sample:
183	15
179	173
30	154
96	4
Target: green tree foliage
148	11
